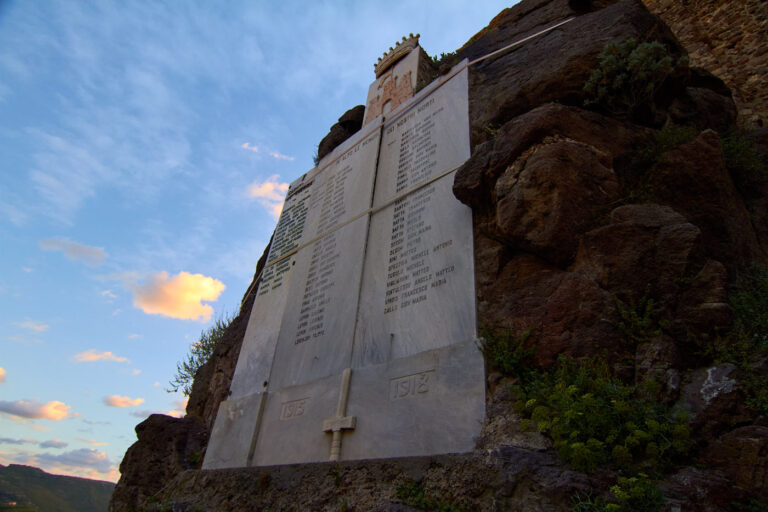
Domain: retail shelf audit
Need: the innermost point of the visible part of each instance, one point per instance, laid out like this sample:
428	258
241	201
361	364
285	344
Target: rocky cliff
620	242
728	39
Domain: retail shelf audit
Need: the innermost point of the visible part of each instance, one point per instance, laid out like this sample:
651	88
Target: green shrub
507	353
636	494
595	419
636	319
629	75
199	354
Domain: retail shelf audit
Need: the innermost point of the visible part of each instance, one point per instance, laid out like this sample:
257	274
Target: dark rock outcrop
349	124
166	446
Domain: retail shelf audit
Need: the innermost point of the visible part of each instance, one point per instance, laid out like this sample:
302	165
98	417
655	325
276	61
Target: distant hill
32	489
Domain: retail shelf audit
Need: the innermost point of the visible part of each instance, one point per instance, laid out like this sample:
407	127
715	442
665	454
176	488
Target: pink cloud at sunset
270	194
247	145
91	355
33	326
2	375
122	401
280	156
178	296
33	409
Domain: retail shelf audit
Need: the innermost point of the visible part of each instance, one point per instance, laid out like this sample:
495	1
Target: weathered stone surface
711	396
742	455
550	193
727	38
646	247
504	479
529	294
704	305
692	179
704	109
698	489
557	65
349	124
165	447
611	139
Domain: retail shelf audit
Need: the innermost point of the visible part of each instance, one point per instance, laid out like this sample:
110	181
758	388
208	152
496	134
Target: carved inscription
293	409
288	233
411	385
417	158
320	279
410	278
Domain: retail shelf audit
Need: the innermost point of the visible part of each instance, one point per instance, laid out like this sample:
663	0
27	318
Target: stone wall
728	38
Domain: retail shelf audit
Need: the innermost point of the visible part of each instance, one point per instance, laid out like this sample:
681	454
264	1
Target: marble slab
318	326
230	443
418	282
257	351
427	136
431	402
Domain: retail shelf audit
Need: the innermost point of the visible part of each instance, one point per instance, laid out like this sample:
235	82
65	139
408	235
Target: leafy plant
199	353
636	494
595	419
636	319
628	75
507	353
448	58
414	495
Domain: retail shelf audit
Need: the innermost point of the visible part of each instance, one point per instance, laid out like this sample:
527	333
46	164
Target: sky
145	149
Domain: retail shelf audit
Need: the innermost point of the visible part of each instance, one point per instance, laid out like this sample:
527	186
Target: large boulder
166	446
644	248
550	193
555	66
349	123
693	179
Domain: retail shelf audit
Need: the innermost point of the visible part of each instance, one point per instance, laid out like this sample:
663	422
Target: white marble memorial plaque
362	339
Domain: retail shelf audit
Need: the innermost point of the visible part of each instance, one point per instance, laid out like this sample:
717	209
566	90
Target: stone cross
340	422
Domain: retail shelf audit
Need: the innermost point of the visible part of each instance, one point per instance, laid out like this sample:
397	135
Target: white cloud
91	355
134	336
248	146
270	193
108	294
75	251
32	325
280	156
91	442
135	371
33	409
179	296
122	401
27	270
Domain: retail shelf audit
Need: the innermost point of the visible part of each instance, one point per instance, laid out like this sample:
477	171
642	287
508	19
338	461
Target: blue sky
144	151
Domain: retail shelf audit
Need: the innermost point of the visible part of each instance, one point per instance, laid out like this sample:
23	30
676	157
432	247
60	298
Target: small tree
628	75
199	353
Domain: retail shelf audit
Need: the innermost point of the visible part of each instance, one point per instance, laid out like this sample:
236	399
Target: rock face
727	38
349	123
578	217
166	446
